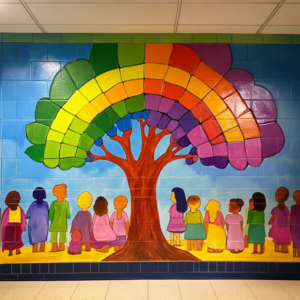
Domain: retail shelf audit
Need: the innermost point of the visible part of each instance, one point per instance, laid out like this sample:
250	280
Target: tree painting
187	91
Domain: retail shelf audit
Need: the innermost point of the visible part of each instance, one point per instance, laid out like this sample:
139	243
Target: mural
186	97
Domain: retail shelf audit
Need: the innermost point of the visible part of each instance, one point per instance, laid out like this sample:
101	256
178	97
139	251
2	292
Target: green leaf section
104	57
36	152
37	133
80	71
131	54
46	111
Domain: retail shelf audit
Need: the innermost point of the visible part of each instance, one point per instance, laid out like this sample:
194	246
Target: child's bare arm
271	220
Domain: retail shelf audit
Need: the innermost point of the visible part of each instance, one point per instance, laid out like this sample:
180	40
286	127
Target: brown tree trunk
146	241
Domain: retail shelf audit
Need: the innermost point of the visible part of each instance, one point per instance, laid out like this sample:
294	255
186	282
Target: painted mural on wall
157	104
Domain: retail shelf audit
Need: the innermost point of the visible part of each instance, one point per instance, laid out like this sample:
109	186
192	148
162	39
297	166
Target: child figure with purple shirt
82	223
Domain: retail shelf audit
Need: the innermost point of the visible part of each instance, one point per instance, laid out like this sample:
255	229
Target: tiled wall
28	64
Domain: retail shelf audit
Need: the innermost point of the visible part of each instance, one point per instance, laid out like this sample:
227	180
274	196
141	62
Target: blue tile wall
27	71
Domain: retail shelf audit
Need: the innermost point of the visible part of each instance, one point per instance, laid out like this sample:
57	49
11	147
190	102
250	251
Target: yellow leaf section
62	121
51	162
67	151
214	103
130	73
100	103
91	90
134	87
75	103
234	135
88	113
116	94
156	71
177	77
55	136
198	87
109	79
226	120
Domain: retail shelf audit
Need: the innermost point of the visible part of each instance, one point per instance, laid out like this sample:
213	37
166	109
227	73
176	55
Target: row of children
99	232
285	226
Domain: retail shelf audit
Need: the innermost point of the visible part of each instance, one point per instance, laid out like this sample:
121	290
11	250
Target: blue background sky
26	74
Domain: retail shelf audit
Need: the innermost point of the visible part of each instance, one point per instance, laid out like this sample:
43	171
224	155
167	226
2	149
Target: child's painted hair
296	195
121	199
193	200
181	204
12	200
213	206
239	202
100	206
39	194
84	198
259	201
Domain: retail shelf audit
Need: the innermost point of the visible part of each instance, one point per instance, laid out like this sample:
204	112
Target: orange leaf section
116	93
134	87
155	71
201	112
234	135
158	53
218	140
188	100
248	126
207	75
185	58
153	86
236	104
211	128
172	91
224	88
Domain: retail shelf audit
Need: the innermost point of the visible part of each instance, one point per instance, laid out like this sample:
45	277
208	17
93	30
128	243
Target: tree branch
122	163
124	141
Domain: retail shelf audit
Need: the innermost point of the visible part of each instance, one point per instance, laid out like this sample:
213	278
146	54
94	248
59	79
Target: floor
152	289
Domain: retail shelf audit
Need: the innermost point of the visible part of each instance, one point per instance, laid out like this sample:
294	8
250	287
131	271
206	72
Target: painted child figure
195	232
38	224
13	224
280	221
58	214
83	221
295	224
178	208
75	244
119	223
234	227
245	231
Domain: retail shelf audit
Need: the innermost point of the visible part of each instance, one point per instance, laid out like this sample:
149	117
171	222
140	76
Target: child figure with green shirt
58	214
195	232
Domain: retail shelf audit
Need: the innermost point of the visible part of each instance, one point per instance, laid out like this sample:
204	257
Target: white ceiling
145	16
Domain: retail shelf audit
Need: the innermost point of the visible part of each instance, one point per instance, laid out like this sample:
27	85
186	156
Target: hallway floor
151	289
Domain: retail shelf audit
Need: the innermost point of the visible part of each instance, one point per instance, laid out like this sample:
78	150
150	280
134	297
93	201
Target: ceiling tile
10	1
109	28
231	14
292	1
231	1
20	28
14	14
288	14
99	1
108	14
216	29
282	29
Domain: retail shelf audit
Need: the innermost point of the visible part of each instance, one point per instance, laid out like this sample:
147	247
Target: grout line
107	290
148	289
179	289
278	281
213	289
75	290
32	16
177	16
250	289
270	17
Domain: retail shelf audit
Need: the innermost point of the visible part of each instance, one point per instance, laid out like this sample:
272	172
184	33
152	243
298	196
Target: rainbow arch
167	84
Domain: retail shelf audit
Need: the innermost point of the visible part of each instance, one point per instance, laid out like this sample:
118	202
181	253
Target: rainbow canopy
170	86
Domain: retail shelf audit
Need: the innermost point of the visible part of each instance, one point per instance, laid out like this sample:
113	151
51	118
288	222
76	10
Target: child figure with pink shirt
119	222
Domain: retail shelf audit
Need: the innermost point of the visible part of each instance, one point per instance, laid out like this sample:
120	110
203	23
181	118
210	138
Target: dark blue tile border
150	270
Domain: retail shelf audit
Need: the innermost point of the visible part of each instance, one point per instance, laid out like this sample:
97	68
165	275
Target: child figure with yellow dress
195	231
